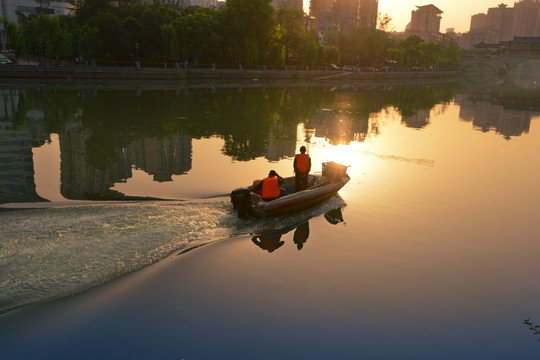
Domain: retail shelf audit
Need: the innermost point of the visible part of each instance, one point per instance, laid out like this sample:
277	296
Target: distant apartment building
349	14
182	4
503	23
527	18
343	14
501	19
201	3
368	10
425	23
322	11
478	21
11	8
299	4
495	26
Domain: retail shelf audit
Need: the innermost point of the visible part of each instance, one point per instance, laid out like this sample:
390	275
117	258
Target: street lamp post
41	51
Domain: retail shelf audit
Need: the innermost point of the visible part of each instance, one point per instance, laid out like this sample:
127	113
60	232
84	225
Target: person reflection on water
301	235
302	166
269	186
269	241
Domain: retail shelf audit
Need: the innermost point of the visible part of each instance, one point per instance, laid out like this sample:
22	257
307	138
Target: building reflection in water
16	161
80	179
339	127
486	116
418	120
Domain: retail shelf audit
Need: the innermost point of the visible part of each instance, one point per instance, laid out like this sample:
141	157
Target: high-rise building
501	19
343	14
425	22
503	23
426	18
367	13
354	13
478	21
182	4
323	13
299	4
10	8
346	12
495	26
527	18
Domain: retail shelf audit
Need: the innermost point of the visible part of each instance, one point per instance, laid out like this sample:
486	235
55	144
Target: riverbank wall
176	74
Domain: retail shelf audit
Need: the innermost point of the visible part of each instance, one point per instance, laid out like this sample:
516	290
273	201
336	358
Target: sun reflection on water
343	154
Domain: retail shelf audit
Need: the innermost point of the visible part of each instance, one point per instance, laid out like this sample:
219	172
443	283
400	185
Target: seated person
256	187
269	186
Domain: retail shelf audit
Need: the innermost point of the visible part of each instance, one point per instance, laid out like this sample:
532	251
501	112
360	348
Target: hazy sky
456	13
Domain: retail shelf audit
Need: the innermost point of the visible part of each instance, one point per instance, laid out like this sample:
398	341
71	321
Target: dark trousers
301	181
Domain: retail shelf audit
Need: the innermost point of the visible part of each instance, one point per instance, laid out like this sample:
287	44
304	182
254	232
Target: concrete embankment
175	74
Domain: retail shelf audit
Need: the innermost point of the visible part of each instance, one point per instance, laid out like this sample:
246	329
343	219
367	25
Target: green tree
87	42
361	46
110	35
42	35
310	48
152	18
413	52
197	30
452	55
132	29
288	31
247	25
13	39
328	55
86	9
170	42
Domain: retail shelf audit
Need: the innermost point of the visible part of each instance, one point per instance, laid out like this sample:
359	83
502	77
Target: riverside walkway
178	73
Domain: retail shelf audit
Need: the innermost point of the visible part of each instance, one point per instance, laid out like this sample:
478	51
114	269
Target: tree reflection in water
104	132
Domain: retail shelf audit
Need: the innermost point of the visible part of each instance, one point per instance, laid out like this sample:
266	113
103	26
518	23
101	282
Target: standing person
302	166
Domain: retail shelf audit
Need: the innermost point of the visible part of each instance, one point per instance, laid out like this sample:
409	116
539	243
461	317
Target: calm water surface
439	244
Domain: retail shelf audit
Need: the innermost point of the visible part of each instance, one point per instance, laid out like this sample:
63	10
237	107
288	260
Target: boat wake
54	252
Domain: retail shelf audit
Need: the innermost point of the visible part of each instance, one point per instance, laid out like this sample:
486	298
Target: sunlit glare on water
343	154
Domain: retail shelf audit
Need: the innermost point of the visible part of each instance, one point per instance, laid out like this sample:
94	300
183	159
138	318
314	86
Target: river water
440	215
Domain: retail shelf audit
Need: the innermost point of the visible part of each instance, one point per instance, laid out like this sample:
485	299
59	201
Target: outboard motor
241	200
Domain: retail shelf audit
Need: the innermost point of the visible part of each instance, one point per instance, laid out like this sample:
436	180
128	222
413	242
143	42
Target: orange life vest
270	188
302	162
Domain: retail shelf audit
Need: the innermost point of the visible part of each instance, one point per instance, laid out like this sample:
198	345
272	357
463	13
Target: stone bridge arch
498	64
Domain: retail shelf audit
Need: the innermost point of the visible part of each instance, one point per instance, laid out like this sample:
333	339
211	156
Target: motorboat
321	187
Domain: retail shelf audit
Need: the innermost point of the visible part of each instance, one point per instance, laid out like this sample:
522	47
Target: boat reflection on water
271	239
334	216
